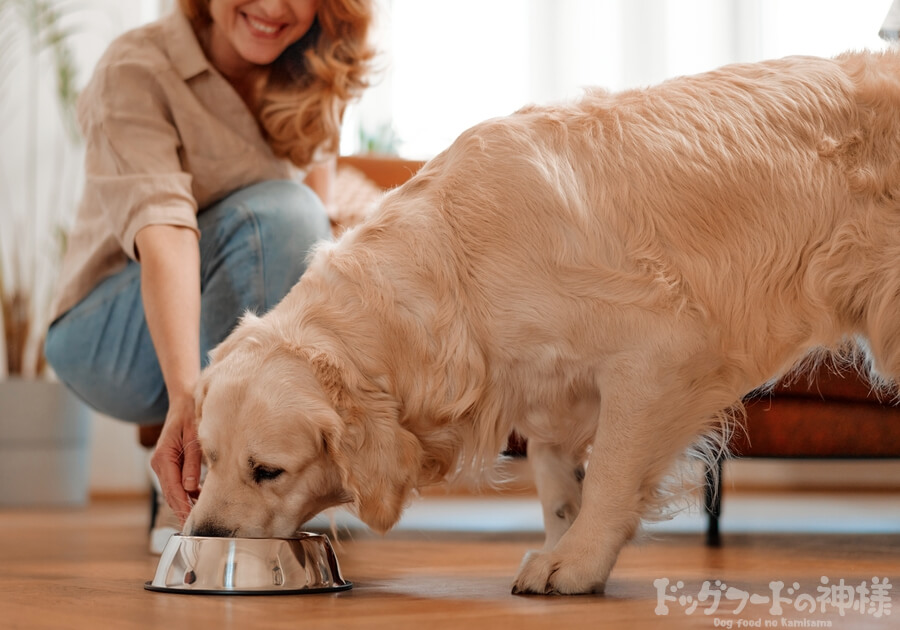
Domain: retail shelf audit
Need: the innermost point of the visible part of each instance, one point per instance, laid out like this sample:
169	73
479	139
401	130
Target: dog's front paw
549	573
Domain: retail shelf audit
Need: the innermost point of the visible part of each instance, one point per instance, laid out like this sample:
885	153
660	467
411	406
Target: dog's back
723	196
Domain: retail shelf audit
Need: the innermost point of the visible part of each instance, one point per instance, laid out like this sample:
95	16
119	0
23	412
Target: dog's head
287	432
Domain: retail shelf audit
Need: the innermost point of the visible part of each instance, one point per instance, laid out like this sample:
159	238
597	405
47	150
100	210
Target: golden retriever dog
607	277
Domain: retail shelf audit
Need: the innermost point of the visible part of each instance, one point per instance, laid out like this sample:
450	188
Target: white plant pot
44	445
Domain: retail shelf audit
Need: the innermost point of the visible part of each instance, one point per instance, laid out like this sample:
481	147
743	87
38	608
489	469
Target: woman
191	215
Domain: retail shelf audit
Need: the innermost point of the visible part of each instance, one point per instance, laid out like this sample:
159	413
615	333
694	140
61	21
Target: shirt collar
184	50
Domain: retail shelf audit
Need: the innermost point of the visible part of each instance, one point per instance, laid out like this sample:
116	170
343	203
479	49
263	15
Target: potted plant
44	429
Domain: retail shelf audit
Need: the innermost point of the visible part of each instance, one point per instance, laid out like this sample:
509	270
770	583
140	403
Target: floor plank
85	569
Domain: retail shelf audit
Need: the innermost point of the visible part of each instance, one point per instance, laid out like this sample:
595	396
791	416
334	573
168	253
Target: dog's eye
264	473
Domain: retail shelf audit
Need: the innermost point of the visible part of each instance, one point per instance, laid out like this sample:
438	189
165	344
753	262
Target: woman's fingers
167	462
190	473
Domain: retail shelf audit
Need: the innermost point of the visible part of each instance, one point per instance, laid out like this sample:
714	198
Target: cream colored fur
607	277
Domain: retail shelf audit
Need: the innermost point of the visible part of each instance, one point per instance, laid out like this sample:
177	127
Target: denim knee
102	351
254	247
289	228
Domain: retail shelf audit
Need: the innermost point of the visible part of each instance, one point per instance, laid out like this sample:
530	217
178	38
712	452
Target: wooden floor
85	569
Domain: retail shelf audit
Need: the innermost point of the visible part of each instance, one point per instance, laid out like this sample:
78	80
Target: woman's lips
263	28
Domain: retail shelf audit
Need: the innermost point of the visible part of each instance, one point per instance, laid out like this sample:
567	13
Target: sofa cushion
827	383
788	426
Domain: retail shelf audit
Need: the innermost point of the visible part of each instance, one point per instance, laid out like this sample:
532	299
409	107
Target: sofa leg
712	501
148	434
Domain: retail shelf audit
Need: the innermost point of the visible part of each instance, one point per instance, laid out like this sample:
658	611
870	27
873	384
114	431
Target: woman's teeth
260	26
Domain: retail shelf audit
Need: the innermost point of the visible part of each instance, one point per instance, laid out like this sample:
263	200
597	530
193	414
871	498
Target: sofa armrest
385	171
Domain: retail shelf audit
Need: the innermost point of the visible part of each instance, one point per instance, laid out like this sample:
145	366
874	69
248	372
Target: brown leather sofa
822	414
384	171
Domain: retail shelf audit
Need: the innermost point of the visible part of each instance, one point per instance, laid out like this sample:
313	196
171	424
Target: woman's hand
170	288
176	460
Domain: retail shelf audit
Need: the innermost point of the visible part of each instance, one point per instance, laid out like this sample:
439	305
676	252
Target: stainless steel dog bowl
248	566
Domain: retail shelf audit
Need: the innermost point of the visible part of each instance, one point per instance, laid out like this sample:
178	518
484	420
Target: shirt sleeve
133	169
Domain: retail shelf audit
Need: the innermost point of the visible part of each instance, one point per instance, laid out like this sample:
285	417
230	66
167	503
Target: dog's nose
211	529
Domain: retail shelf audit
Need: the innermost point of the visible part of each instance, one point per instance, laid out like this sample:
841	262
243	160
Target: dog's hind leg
558	476
648	416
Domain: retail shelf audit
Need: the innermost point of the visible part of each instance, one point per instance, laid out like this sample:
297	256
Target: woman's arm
170	288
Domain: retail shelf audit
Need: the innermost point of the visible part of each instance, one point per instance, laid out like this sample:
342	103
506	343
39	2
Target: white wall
119	465
452	64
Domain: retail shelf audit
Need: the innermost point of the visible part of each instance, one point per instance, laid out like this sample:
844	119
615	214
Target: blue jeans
253	249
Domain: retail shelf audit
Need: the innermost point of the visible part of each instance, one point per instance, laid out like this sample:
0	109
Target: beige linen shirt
165	135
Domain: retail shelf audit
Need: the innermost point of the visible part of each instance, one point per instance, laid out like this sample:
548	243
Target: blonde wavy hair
309	86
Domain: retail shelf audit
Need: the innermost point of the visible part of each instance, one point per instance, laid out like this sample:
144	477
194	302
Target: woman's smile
260	27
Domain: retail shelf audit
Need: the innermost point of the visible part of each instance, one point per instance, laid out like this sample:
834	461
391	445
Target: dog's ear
379	460
328	374
381	467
